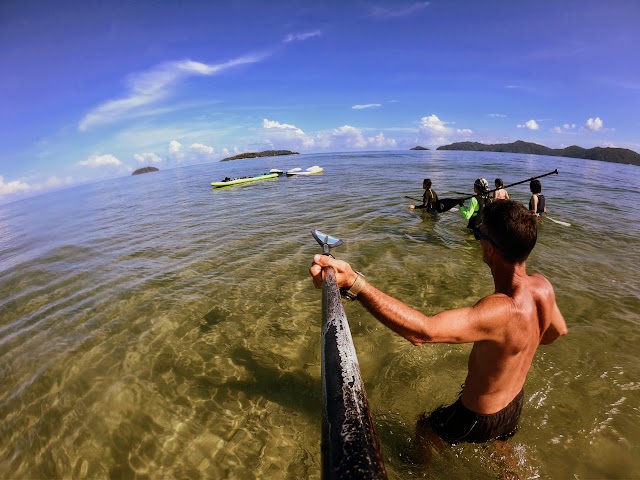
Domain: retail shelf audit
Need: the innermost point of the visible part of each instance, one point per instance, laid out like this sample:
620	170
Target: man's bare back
497	368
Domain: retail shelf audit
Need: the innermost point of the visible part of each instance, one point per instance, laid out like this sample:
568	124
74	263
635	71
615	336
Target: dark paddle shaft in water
350	447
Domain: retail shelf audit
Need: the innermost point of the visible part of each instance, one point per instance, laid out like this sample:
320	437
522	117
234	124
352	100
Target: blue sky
95	89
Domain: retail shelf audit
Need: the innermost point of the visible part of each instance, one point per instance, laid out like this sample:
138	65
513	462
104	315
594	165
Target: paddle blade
446	204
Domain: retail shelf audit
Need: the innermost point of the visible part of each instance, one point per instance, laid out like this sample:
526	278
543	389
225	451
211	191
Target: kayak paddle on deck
349	446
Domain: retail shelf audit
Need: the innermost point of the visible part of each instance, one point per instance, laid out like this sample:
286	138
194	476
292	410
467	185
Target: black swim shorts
456	423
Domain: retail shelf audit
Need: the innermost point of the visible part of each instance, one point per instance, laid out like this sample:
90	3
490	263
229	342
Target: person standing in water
500	193
429	199
473	213
537	202
506	328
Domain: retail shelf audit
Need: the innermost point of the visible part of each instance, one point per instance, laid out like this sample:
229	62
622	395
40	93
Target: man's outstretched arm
463	325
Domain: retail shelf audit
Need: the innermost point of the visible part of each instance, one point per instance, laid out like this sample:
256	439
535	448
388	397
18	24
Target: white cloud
14	186
435	131
55	181
149	87
379	141
594	124
366	105
496	115
147	158
345	137
564	128
174	146
434	125
269	124
285	135
398	11
196	152
201	149
293	37
530	125
349	138
96	161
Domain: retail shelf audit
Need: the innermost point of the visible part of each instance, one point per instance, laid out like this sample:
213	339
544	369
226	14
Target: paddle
446	204
349	446
420	200
566	224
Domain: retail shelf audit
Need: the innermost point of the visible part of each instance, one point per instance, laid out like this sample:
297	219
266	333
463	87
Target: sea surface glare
154	327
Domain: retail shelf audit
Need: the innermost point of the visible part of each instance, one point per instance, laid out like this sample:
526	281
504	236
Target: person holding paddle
429	199
505	327
474	211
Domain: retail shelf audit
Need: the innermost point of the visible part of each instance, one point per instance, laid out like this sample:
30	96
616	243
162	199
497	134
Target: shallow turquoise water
151	326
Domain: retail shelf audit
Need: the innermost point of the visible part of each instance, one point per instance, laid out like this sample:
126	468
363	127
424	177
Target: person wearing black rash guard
429	199
537	202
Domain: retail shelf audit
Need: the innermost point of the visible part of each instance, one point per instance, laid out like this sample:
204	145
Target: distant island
266	153
419	148
616	155
145	170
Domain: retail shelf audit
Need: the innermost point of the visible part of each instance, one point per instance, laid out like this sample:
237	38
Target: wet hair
426	183
535	186
499	183
512	227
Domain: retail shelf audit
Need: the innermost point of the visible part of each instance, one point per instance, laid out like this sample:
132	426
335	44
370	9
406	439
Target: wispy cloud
366	105
299	37
522	88
398	10
97	161
496	115
147	158
147	88
564	128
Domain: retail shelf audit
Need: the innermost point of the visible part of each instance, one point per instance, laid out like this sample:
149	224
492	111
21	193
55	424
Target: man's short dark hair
427	182
513	227
535	186
499	183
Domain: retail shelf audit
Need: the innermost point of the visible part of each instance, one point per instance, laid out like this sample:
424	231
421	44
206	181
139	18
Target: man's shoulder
538	280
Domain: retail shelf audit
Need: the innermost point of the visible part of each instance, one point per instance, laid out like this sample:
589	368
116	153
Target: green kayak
238	181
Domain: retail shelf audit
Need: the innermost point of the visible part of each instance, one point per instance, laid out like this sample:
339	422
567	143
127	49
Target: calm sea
153	327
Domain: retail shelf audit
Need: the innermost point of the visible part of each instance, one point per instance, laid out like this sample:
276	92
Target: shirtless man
505	327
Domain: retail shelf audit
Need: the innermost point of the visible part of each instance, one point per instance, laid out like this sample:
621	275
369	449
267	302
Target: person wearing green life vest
473	213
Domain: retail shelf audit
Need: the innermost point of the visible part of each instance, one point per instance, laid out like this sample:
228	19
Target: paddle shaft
514	184
350	447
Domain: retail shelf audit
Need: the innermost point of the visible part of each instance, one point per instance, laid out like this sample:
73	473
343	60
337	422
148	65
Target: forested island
616	155
266	153
418	147
145	170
